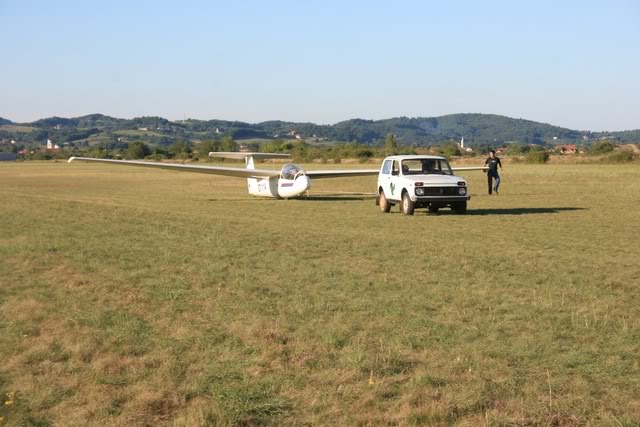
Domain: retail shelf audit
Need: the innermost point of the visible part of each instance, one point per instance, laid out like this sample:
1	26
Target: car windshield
426	167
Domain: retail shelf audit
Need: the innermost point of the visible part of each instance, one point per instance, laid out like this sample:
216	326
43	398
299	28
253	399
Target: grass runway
148	297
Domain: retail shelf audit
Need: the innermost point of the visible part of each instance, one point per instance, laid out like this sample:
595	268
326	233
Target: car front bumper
426	200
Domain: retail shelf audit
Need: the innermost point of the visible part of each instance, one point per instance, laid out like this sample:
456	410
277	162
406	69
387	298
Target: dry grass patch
132	297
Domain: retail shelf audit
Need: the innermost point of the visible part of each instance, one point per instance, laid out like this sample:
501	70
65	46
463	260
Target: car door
383	176
390	181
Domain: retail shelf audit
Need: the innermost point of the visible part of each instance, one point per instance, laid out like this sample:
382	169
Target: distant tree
253	146
10	148
158	154
484	148
390	145
163	140
518	149
137	150
540	157
449	149
620	156
180	149
277	146
406	150
98	152
205	147
602	147
270	147
118	153
41	155
299	151
362	151
228	144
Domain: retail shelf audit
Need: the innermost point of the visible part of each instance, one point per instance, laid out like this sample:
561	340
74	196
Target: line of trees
300	151
178	150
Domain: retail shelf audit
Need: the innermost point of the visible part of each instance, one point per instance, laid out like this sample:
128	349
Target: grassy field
310	141
141	297
17	128
137	132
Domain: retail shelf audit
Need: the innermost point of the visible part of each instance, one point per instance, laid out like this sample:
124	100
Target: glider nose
301	185
305	183
295	187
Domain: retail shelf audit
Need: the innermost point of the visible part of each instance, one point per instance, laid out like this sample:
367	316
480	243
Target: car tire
385	206
459	208
407	206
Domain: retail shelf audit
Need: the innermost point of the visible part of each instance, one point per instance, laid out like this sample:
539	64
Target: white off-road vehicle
421	182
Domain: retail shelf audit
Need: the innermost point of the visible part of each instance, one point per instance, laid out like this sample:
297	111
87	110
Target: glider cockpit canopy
291	171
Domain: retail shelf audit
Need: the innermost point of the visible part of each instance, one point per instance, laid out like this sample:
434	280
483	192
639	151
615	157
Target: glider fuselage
278	187
291	182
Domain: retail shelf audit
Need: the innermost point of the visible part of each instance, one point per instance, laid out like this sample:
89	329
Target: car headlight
462	191
419	191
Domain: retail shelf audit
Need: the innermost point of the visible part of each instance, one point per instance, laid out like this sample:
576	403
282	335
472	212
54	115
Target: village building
567	149
52	146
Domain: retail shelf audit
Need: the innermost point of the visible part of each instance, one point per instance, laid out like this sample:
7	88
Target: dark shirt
493	163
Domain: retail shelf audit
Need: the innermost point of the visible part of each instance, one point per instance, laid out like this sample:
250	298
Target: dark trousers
490	176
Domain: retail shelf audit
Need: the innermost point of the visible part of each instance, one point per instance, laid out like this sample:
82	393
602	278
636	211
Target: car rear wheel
459	208
385	206
407	206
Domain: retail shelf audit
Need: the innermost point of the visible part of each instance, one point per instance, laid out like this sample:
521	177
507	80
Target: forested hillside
477	129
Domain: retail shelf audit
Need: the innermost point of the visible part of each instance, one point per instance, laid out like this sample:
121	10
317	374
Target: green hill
477	129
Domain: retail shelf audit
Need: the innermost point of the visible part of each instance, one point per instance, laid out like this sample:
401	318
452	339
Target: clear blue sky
570	63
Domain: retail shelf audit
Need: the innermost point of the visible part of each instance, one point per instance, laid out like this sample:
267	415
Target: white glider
290	181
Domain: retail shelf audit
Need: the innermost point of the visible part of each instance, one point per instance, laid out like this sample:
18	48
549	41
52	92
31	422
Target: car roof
415	156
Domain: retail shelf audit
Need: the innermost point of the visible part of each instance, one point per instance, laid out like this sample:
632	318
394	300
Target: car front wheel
407	205
459	208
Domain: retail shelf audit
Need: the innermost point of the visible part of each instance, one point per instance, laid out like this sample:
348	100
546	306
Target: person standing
493	162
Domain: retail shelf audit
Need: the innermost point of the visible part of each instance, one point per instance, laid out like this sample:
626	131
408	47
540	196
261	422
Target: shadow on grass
245	200
338	198
520	211
327	198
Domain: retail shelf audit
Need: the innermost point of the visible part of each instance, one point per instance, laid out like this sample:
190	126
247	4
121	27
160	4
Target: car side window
396	168
386	167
